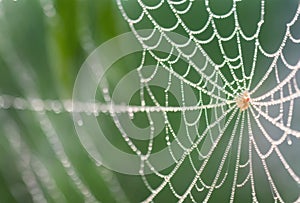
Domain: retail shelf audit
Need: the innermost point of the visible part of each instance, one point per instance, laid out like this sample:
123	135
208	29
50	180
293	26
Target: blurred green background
43	43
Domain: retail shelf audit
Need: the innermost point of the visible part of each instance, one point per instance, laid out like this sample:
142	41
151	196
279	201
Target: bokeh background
43	44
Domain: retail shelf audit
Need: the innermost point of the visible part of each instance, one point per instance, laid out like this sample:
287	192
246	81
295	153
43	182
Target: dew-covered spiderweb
251	147
225	115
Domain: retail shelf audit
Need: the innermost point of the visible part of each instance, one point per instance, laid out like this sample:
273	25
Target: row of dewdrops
39	105
56	106
71	106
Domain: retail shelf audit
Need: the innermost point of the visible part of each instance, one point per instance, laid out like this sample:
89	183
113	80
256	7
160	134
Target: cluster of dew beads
243	100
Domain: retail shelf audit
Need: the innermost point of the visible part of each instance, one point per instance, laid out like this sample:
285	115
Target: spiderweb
220	151
258	135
